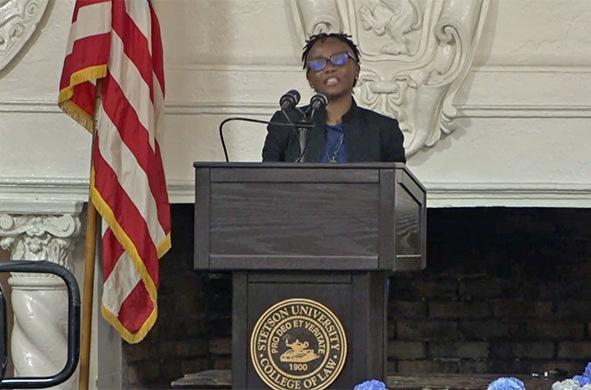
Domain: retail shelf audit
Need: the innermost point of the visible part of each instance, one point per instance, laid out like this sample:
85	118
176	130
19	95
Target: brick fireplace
506	291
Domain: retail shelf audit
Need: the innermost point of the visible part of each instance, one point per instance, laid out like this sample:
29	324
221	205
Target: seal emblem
298	344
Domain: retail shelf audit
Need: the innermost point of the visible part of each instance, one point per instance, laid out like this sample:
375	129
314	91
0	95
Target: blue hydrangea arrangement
371	385
506	384
578	382
584	379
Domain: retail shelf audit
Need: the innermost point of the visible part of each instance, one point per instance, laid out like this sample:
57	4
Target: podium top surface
204	164
291	165
311	166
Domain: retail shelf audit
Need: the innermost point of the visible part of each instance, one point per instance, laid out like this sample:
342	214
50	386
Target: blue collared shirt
334	144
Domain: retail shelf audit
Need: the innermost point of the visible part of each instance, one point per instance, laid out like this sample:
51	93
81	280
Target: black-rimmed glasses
336	59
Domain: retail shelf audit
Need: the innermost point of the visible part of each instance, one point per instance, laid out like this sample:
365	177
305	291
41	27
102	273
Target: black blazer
369	137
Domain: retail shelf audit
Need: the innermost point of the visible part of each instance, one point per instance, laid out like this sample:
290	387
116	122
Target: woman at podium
342	131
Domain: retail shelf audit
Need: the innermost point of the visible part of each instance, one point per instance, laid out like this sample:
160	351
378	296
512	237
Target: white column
40	231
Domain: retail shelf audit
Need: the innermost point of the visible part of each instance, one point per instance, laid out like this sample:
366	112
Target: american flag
117	43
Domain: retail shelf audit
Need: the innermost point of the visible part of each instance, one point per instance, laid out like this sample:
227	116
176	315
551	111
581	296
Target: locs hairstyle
322	37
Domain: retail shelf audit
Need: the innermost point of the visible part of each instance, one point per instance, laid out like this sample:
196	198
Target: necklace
335	152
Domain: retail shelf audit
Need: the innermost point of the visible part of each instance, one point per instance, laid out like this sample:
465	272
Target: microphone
289	100
318	101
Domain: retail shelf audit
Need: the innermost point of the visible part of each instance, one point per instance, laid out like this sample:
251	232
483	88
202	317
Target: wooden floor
222	379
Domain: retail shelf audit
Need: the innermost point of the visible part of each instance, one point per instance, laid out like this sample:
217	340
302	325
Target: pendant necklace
333	158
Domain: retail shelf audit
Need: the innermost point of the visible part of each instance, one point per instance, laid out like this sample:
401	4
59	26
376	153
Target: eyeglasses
336	59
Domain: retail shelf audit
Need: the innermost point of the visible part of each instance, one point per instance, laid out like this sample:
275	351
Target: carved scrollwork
415	56
39	237
384	96
18	21
394	18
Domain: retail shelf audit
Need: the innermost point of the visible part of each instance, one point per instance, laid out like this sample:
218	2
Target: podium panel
349	296
311	247
308	217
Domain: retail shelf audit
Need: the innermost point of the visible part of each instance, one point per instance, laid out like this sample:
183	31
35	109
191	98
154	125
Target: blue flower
506	384
584	379
371	385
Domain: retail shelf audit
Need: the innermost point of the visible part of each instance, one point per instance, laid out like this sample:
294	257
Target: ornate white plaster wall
522	111
522	118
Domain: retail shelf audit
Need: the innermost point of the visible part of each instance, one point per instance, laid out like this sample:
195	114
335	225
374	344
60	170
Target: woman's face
335	81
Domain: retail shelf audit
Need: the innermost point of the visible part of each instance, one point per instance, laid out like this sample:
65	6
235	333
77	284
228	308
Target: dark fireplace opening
505	291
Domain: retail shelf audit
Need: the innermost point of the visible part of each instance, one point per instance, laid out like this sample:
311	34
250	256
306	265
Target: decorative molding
297	69
493	83
18	21
29	106
438	194
172	108
469	194
266	109
268	68
40	237
573	195
415	55
35	191
238	109
522	111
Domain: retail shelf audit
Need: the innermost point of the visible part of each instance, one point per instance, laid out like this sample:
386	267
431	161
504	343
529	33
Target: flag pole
89	266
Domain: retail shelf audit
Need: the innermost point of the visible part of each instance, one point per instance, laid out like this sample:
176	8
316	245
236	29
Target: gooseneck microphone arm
317	103
302	135
237	118
288	101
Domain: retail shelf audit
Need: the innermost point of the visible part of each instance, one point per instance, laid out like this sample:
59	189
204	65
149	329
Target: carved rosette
18	21
39	301
415	55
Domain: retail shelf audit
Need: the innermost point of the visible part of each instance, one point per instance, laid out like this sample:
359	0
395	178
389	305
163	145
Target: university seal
298	344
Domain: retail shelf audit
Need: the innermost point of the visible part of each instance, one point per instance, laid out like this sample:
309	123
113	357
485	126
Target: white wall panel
523	110
537	33
43	145
228	32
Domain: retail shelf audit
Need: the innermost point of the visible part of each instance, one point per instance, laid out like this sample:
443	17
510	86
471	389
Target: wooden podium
310	247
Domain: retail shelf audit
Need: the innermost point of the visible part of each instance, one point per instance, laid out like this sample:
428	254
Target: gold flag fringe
131	338
78	114
70	108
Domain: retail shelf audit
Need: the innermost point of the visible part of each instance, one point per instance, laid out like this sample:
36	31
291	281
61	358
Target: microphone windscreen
318	101
289	100
296	95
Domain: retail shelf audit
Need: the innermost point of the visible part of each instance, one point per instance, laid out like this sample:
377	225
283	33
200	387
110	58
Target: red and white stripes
128	186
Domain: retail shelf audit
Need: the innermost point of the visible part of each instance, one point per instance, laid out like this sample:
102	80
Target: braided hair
346	38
